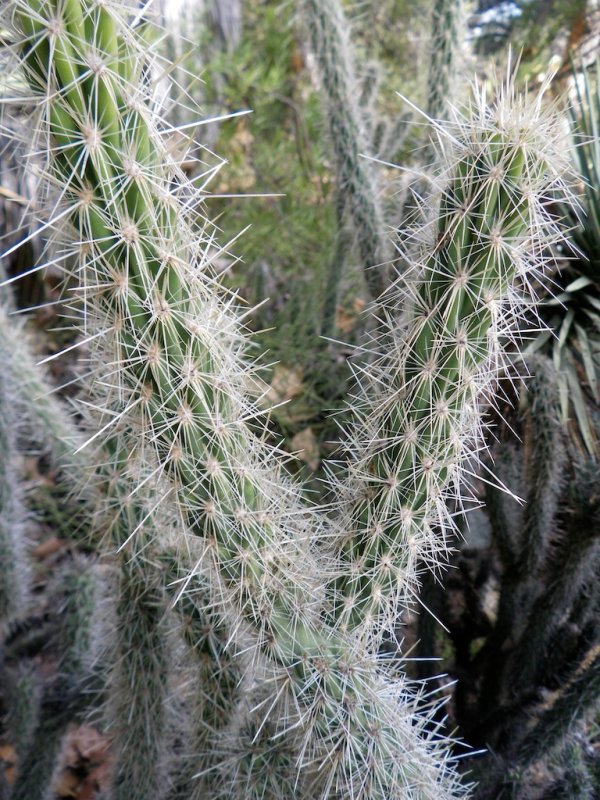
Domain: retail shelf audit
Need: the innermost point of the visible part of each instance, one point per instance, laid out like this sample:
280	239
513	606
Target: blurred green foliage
289	240
278	149
282	146
537	30
572	312
281	151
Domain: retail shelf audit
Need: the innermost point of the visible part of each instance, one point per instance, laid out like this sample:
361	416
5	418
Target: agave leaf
579	283
595	321
594	301
539	342
580	407
565	327
559	300
588	360
563	390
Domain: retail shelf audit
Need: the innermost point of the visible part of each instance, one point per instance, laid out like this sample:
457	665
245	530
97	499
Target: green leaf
566	327
588	360
579	283
581	409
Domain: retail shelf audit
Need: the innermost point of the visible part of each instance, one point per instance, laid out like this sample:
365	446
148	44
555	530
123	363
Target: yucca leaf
588	360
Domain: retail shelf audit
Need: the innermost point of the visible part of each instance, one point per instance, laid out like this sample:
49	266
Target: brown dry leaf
286	384
48	547
7	753
85	743
8	758
97	780
306	447
244	177
31	469
67	784
285	395
242	138
87	764
345	319
298	60
88	790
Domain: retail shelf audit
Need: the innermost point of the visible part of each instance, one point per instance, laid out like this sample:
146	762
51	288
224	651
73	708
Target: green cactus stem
569	567
177	399
330	42
140	648
14	572
44	420
554	726
444	55
61	700
419	409
220	678
138	687
546	464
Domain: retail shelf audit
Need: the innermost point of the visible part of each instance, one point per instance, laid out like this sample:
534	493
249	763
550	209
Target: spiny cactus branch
419	414
14	572
330	43
444	53
61	700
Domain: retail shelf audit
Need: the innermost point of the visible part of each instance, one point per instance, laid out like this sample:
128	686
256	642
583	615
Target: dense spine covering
139	672
61	700
14	574
219	677
172	395
577	781
139	681
167	398
420	421
43	419
330	43
523	531
570	566
504	513
444	52
561	715
446	41
545	466
22	715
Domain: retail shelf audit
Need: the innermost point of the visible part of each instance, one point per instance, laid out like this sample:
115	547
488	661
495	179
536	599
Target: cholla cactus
23	714
420	418
14	573
62	698
139	681
169	393
168	401
357	187
444	51
554	731
139	638
219	675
